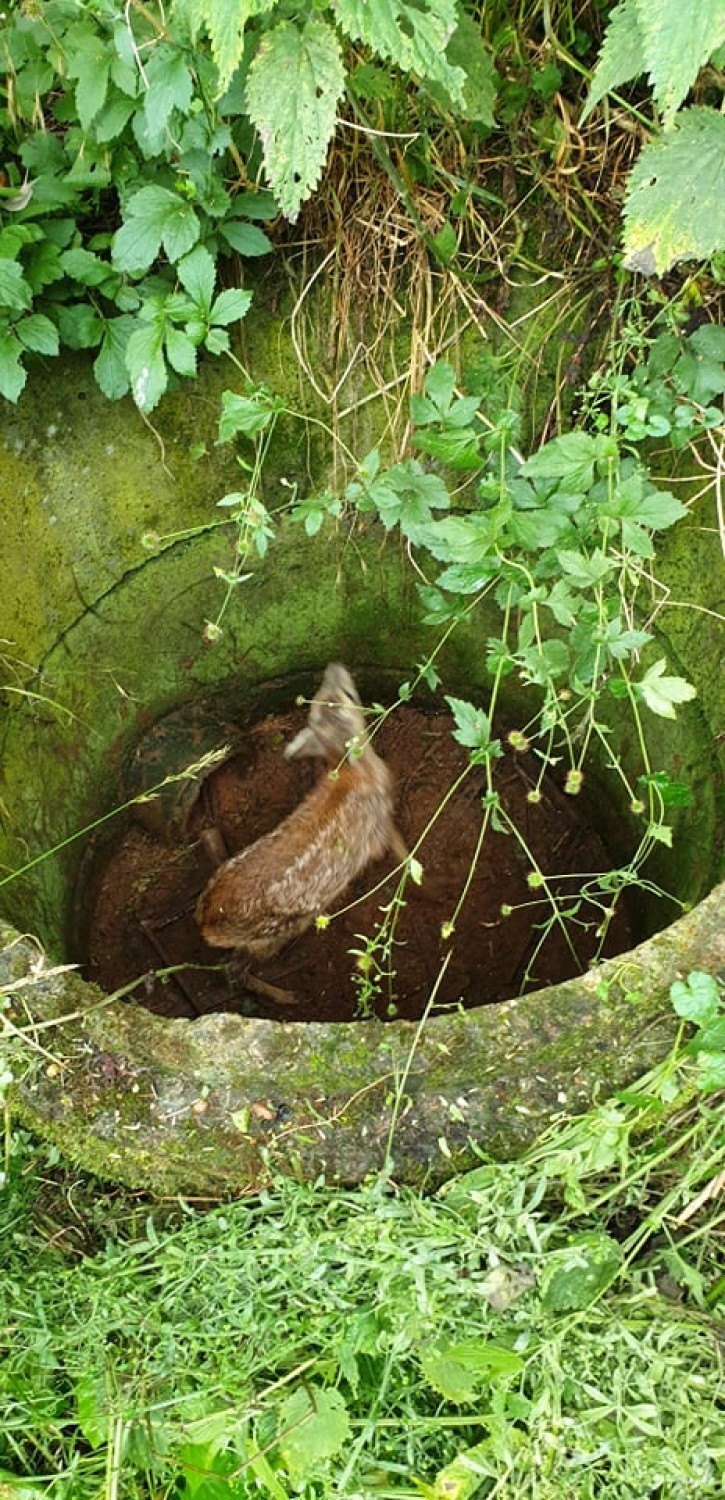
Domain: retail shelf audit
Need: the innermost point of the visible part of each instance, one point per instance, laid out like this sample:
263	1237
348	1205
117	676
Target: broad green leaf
109	367
658	509
413	37
404	496
672	793
458	1370
231	306
569	458
169	87
678	39
698	375
711	1039
42	266
14	289
146	364
82	265
197	274
247	415
539	664
314	1426
79	325
711	1070
94	1417
562	603
622	56
294	85
12	374
574	1277
636	539
584	572
696	999
661	693
225	22
709	340
154	216
38	333
89	60
112	119
473	726
457	449
463	1477
468	51
180	352
440	386
675	205
261	205
536	529
246	239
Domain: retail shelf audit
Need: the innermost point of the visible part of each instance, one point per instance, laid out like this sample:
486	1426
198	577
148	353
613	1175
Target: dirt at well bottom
144	889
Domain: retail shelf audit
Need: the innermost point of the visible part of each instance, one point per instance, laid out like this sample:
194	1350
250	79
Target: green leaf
660	693
440	386
711	1039
413	37
197	274
12	374
146	364
180	352
464	1475
38	333
248	415
154	215
14	289
456	449
678	39
585	572
569	458
89	60
636	540
468	51
709	340
42	266
656	509
92	1406
109	366
258	205
675	205
231	306
246	239
404	496
294	85
622	56
79	325
672	793
82	265
459	1370
113	118
711	1071
226	21
314	1426
473	726
574	1277
696	999
169	87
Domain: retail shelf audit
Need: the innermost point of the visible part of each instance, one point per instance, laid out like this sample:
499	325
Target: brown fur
270	892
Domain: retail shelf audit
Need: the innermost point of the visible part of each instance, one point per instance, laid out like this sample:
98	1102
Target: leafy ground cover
550	1327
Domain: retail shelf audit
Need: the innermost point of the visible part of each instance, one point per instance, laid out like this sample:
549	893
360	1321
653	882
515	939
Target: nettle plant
134	140
563	542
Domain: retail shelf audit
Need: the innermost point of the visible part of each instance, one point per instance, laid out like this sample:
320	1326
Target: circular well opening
138	887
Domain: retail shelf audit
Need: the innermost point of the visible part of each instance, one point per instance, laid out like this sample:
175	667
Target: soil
143	889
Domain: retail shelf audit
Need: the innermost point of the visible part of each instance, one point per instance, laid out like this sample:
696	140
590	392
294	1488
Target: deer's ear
306	743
